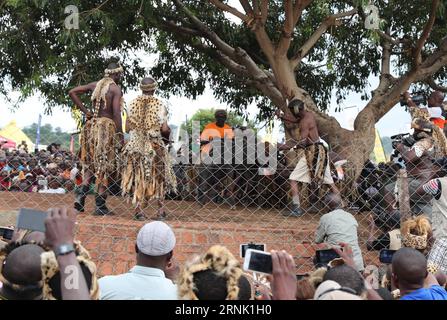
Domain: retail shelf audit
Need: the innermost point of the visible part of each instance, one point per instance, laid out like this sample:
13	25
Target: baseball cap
331	290
156	239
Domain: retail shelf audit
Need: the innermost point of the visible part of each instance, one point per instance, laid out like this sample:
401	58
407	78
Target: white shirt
74	173
140	283
56	191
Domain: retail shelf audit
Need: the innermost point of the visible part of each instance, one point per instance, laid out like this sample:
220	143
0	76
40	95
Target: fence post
404	197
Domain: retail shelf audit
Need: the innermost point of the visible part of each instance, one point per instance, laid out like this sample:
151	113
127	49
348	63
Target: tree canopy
38	54
49	135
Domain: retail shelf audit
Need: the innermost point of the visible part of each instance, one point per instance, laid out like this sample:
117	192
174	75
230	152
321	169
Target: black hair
346	276
209	285
296	103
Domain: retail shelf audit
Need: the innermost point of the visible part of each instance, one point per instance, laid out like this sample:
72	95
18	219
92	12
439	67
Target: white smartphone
258	261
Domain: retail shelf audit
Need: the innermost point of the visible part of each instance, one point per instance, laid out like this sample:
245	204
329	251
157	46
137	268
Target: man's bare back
112	110
308	129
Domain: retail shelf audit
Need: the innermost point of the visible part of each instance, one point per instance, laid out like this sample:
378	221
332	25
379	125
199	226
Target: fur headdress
415	233
108	72
217	259
150	86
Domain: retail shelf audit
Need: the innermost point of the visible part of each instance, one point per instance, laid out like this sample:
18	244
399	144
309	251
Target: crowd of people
36	265
46	171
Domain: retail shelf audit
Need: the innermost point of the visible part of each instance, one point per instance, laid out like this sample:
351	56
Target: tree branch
391	40
425	33
300	5
264	11
247	7
286	37
227	8
310	43
431	82
210	35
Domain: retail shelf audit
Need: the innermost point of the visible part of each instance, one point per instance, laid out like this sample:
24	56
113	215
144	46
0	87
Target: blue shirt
140	283
433	293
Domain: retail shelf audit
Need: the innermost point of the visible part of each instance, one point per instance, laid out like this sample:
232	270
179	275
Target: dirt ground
111	240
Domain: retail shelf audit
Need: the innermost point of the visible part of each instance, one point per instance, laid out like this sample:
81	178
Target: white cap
156	239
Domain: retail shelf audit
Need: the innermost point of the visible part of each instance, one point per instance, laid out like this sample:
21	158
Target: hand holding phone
29	219
325	256
258	261
283	278
245	246
60	227
386	256
6	233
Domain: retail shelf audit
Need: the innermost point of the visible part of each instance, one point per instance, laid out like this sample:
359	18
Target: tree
276	51
49	135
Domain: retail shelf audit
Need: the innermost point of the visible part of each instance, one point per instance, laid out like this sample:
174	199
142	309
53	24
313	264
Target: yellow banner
379	152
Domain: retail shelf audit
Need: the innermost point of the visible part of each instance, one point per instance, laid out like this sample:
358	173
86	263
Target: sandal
140	217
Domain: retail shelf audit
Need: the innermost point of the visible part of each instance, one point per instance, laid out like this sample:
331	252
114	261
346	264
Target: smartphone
256	246
6	233
325	256
386	256
30	219
258	261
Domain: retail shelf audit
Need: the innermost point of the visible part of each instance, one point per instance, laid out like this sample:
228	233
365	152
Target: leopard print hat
217	258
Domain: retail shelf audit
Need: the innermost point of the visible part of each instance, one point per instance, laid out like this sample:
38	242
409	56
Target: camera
417	97
407	140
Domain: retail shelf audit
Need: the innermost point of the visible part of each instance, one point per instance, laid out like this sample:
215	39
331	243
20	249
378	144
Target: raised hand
283	278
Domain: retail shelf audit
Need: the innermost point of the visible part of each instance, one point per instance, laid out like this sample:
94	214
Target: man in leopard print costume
147	173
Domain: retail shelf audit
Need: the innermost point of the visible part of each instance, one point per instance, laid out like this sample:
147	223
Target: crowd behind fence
257	195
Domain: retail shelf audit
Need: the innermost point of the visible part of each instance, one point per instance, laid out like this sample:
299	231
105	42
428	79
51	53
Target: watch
64	249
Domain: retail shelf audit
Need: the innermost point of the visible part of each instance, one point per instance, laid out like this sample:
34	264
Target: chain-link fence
233	192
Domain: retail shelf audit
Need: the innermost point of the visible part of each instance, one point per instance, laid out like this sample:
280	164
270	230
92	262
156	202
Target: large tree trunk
353	145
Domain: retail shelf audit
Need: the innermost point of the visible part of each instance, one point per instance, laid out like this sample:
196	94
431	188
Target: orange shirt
438	122
212	131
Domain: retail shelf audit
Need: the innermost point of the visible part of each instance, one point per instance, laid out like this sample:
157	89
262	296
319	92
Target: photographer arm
60	226
345	252
408	155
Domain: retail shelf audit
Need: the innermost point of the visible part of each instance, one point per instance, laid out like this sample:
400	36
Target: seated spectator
389	236
4	181
20	272
215	275
147	280
69	186
54	186
339	226
409	272
53	169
